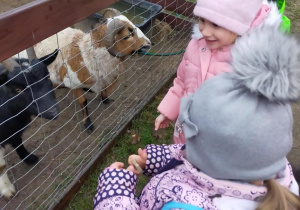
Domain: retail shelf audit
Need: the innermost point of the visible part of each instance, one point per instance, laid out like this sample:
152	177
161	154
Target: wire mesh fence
65	146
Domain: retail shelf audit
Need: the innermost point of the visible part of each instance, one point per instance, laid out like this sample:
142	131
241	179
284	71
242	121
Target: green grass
142	125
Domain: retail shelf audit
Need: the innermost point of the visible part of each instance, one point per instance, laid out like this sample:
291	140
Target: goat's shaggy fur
85	60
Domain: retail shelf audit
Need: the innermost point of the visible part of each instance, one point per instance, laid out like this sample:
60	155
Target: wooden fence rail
27	25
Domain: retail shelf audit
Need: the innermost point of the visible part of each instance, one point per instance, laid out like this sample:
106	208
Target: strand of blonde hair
279	197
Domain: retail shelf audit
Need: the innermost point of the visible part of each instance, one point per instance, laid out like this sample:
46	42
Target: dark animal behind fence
25	91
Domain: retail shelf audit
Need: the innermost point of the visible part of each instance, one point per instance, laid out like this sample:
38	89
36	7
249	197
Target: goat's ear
111	12
3	76
48	59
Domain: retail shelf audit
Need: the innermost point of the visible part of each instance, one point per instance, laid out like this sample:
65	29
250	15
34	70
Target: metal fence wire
65	147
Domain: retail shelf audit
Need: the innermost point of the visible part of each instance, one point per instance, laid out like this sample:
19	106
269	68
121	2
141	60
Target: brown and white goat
93	60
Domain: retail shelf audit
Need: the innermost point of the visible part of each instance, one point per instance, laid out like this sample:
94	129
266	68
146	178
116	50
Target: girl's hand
137	163
117	165
161	122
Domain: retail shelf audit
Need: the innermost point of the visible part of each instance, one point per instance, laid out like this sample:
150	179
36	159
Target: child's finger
135	164
166	124
130	159
156	125
142	154
117	165
131	168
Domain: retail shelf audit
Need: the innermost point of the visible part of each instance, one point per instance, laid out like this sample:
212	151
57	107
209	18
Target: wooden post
31	54
10	64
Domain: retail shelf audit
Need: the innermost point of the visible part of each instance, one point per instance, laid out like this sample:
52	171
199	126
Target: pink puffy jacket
199	63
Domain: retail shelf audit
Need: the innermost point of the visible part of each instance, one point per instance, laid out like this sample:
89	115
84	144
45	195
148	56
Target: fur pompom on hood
266	62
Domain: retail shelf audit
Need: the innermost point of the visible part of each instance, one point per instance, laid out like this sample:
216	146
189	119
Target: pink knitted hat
234	15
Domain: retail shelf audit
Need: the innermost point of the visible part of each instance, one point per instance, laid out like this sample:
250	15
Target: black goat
25	91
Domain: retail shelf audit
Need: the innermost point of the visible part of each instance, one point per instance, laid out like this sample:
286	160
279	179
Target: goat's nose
55	110
51	113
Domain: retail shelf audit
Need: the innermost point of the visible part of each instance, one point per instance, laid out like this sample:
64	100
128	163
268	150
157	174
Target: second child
221	22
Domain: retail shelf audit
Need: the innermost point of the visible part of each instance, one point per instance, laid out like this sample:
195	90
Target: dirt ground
65	149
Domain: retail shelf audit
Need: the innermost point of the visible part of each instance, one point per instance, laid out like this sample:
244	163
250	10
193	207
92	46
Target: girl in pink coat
238	130
221	23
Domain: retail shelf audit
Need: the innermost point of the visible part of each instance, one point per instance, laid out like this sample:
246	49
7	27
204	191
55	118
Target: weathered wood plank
25	26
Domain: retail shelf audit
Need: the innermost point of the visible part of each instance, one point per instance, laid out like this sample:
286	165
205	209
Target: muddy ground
64	148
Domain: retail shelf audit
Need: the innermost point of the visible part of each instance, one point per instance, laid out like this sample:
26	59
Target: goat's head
122	36
31	85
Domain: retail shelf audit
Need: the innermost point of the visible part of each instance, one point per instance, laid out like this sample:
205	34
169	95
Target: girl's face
214	35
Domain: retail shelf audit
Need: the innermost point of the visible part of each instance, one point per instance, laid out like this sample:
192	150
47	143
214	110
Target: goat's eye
18	90
126	37
131	33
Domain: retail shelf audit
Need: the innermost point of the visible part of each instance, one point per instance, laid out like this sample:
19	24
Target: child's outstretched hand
137	163
120	165
117	165
161	122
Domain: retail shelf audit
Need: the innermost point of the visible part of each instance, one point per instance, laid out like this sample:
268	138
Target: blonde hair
278	197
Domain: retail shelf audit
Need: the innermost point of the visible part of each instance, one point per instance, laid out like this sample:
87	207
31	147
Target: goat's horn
113	27
31	54
10	64
111	12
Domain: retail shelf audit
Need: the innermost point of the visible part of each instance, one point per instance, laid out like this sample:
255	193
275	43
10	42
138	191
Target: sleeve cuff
115	182
157	157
